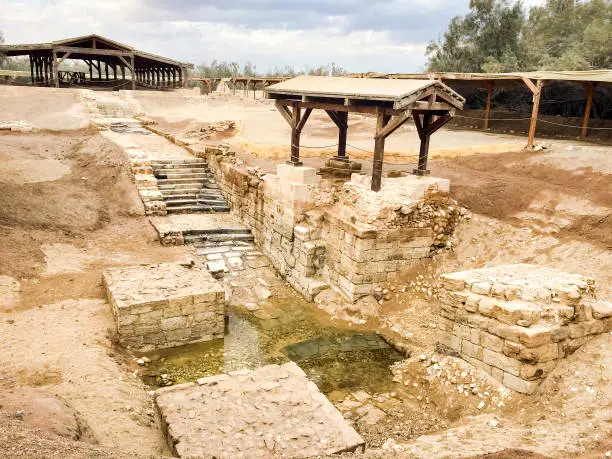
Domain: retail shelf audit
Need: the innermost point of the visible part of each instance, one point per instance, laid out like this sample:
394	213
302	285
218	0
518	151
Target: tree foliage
223	69
500	36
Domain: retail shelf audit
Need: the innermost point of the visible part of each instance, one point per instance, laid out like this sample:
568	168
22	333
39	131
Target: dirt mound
90	186
45	108
505	186
18	440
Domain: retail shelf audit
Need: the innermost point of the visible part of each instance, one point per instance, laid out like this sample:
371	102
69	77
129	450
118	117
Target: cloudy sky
359	35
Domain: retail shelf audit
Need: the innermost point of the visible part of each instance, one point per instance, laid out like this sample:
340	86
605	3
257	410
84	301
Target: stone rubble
17	126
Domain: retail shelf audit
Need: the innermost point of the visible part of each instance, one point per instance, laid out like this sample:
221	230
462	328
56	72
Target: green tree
497	36
487	37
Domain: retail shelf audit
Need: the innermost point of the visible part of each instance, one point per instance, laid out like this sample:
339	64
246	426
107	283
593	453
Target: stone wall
516	322
323	233
165	305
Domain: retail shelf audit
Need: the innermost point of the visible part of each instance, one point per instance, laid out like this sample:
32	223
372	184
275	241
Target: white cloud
375	35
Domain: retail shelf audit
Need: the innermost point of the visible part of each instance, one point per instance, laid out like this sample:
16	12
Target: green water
335	359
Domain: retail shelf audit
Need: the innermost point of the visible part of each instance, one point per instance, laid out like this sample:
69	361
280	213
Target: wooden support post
342	135
123	72
295	137
99	70
32	68
132	71
379	150
488	109
174	77
114	71
46	69
587	110
424	148
90	70
55	70
106	70
340	119
534	112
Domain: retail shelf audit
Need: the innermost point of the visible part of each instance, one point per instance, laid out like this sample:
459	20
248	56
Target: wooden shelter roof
83	46
593	76
399	93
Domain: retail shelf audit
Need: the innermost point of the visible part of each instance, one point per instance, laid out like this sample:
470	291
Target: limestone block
502	362
520	385
601	309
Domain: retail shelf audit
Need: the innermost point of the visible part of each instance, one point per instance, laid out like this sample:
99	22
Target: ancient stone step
195	239
180	170
177	162
195	201
192	175
191	194
185	181
188	209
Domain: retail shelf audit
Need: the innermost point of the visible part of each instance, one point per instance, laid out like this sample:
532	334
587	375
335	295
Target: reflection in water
334	359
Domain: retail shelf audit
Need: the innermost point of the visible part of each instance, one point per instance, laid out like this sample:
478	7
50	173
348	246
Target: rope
492	119
360	149
576	127
539	119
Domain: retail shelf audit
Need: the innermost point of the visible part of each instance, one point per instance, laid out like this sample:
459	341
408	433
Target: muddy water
333	358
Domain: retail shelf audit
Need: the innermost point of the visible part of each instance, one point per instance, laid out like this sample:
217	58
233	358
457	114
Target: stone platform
273	411
516	322
165	305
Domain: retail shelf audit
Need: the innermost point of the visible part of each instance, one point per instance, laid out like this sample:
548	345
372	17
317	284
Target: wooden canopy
146	69
534	81
429	102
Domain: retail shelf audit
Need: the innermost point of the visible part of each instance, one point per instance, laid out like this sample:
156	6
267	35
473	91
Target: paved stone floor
274	411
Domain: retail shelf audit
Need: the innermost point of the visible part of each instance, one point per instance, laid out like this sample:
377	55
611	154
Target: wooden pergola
534	81
430	103
103	56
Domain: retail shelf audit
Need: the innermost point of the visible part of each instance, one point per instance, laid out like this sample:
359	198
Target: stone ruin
516	322
273	411
320	234
165	305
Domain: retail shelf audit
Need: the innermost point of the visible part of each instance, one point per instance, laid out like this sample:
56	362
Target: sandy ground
54	109
70	209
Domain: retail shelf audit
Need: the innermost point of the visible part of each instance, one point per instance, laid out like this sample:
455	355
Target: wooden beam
91	51
587	110
55	69
394	124
437	124
133	73
295	136
32	67
488	108
285	112
338	107
530	84
424	148
303	120
59	62
334	117
342	134
534	113
379	150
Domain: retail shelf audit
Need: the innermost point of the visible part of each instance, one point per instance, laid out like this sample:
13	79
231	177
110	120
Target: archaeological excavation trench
304	314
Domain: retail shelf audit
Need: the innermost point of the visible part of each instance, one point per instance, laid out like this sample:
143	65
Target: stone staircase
188	186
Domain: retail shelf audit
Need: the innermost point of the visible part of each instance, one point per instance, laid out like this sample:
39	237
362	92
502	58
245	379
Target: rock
370	415
251	306
361	395
262	292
